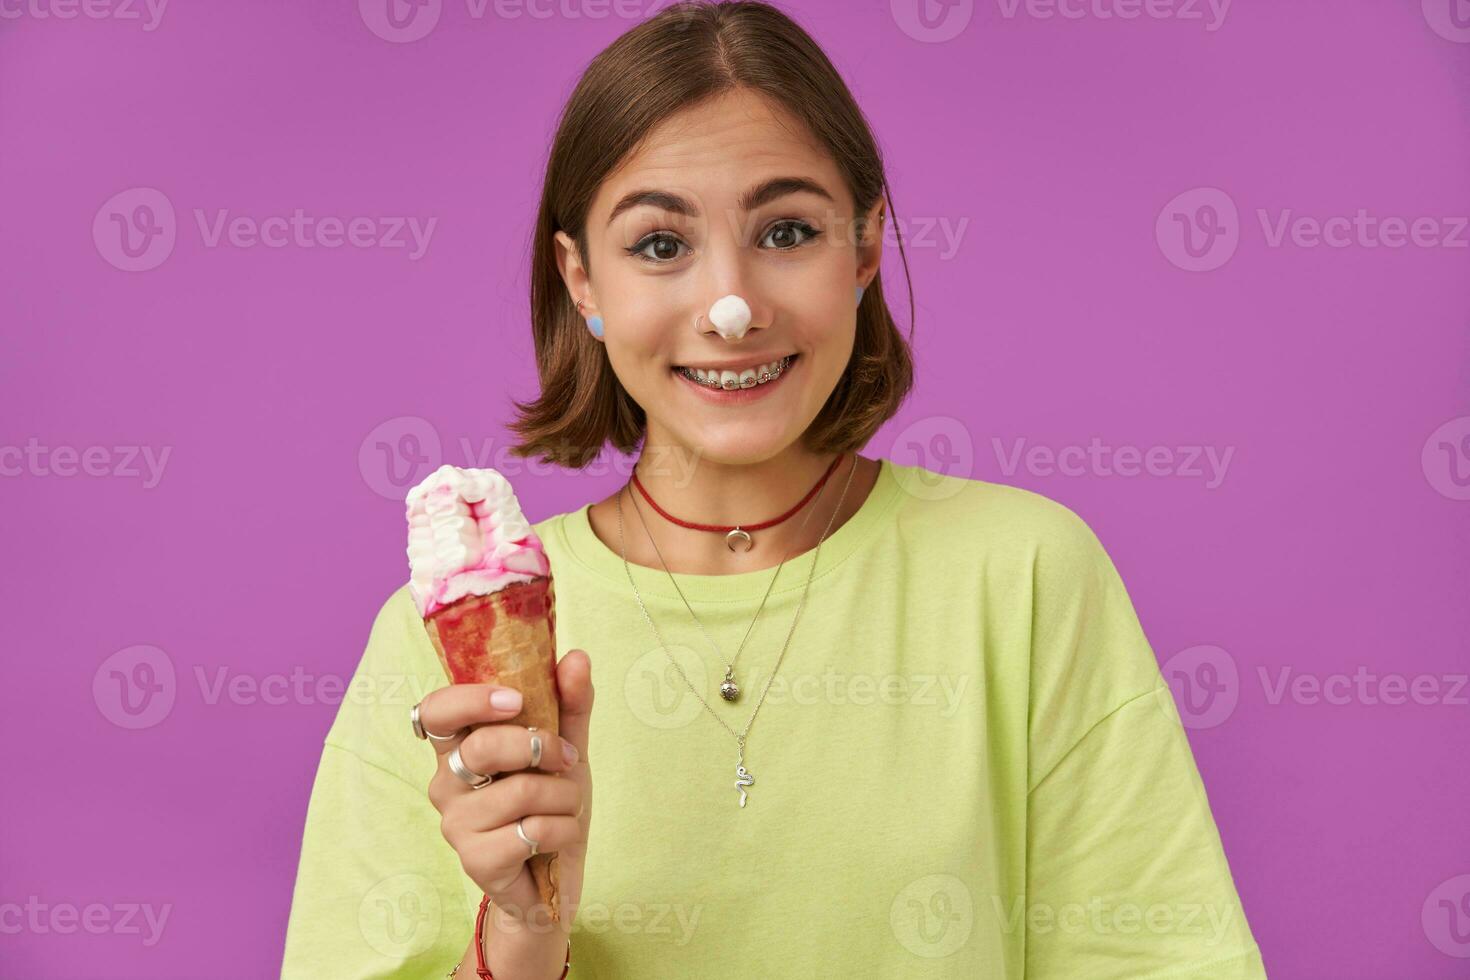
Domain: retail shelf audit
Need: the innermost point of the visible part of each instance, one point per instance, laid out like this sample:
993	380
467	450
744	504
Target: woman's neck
700	491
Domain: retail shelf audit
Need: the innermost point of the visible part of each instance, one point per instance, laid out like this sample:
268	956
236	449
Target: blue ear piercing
594	323
860	295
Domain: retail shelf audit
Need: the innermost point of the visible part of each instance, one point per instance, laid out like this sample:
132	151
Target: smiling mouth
733	380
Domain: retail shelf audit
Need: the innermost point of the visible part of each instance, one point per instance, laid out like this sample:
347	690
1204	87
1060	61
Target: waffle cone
508	638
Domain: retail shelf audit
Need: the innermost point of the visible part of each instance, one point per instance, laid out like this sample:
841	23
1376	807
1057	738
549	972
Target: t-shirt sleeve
1126	875
378	893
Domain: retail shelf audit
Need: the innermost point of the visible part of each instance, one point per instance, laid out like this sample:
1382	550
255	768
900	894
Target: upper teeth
738	379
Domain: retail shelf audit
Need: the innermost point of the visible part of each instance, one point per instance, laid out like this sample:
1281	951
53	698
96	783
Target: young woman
853	718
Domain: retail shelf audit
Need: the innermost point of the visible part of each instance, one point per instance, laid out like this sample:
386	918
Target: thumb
574	688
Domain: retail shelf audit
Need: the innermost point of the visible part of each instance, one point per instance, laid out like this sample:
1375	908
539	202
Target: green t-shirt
968	765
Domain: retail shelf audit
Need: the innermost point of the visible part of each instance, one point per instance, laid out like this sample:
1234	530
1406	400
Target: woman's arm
1126	876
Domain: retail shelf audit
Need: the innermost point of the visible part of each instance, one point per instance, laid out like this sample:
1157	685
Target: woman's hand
554	800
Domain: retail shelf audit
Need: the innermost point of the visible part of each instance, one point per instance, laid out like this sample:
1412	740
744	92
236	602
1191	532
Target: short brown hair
625	92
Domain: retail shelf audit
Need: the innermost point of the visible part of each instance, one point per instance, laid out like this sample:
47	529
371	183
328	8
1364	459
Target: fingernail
569	752
505	699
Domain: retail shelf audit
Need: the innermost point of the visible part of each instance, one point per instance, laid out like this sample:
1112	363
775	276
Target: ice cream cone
509	638
483	586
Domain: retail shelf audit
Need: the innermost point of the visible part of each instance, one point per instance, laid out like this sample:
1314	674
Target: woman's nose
730	316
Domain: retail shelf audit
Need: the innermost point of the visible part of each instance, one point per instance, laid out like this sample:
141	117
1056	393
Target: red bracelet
480	967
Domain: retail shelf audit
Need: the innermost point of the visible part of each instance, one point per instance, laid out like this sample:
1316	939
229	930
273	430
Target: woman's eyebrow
762	193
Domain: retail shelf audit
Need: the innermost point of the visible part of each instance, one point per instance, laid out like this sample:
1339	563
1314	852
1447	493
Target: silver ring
521	833
421	732
535	747
476	780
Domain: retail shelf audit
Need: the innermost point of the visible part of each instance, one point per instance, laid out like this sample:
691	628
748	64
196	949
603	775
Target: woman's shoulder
992	517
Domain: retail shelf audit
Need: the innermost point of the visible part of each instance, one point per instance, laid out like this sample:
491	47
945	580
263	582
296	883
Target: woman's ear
870	244
573	273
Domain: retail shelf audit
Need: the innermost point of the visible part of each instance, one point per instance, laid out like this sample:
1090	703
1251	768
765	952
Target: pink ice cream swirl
468	536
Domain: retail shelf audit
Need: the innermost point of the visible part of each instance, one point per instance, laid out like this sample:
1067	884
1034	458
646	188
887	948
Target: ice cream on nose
730	316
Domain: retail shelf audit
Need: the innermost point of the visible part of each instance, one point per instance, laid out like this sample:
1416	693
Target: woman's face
731	198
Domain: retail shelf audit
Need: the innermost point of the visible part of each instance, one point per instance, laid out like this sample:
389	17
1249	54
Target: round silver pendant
729	691
736	536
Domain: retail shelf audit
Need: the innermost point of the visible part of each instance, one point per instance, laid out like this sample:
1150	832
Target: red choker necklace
737	533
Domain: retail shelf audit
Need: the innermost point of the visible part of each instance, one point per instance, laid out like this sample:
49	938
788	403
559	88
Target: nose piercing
730	316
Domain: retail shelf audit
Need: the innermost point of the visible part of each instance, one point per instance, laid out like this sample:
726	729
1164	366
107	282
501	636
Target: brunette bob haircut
688	53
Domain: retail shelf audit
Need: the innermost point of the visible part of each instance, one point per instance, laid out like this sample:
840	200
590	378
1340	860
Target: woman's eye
665	248
791	234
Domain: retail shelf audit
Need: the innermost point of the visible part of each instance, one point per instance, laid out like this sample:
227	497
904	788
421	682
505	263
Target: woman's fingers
503	847
453	708
495	750
507	748
507	800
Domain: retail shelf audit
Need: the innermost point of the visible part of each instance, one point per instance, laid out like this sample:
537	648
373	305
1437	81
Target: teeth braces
761	378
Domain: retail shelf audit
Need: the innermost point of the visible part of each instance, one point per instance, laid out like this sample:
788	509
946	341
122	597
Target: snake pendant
742	780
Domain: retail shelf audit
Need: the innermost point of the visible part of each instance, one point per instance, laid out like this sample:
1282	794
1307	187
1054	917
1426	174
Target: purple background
1335	376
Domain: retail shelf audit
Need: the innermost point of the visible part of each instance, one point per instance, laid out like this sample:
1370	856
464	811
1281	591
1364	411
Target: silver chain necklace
729	690
743	776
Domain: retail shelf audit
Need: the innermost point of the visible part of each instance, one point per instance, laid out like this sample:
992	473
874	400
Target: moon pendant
738	535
